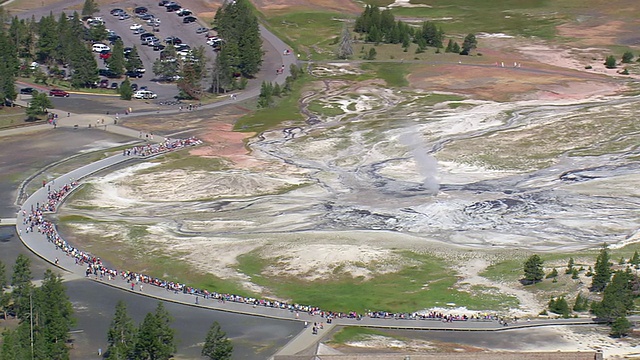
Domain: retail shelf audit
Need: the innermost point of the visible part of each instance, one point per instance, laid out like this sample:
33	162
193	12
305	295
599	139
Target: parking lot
170	25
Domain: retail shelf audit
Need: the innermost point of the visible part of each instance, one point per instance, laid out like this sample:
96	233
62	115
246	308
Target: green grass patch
394	74
313	33
508	270
516	17
349	334
425	283
286	109
325	109
75	219
12	116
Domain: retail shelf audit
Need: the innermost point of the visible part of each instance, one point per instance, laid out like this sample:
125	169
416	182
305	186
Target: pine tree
121	335
125	89
238	26
469	44
610	62
155	340
4	298
620	327
574	274
8	69
89	8
627	57
602	270
533	271
449	47
635	259
552	274
569	266
133	60
85	68
53	315
617	299
39	105
217	346
345	50
22	286
117	61
560	306
581	303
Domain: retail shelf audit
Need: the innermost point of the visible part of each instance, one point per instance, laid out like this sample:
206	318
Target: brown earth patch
494	82
589	34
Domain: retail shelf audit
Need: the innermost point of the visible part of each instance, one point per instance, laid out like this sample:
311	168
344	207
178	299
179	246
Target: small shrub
588	67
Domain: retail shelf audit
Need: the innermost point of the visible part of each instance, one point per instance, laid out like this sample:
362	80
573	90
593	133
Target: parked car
27	91
116	12
201	30
108	73
134	87
173	7
103	84
173	40
105	54
146	16
100	47
146	35
188	19
158	47
114	85
58	92
163	2
135	27
183	12
134	74
140	10
144	94
124	16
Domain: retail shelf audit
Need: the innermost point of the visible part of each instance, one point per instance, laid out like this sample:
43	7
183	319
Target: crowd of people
35	221
165	146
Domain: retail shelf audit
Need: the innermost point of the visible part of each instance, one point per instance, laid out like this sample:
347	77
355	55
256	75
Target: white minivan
100	47
144	94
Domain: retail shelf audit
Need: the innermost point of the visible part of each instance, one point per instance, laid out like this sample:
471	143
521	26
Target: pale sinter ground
347	195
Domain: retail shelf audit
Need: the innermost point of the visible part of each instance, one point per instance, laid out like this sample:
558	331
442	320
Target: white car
100	47
135	27
144	94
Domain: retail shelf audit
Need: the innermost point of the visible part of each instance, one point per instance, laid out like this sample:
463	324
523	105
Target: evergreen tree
121	335
533	271
570	266
574	274
345	50
617	299
155	340
552	274
469	44
560	306
8	69
620	327
217	346
635	259
610	62
449	47
581	303
85	68
265	99
48	40
627	57
98	33
166	67
238	26
21	283
89	8
4	297
125	90
432	35
116	61
39	105
134	62
53	317
602	270
455	48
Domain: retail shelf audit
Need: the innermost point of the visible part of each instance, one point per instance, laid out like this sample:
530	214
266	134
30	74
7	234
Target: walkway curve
37	243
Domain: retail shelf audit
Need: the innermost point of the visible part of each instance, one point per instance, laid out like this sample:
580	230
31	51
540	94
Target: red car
58	92
105	54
